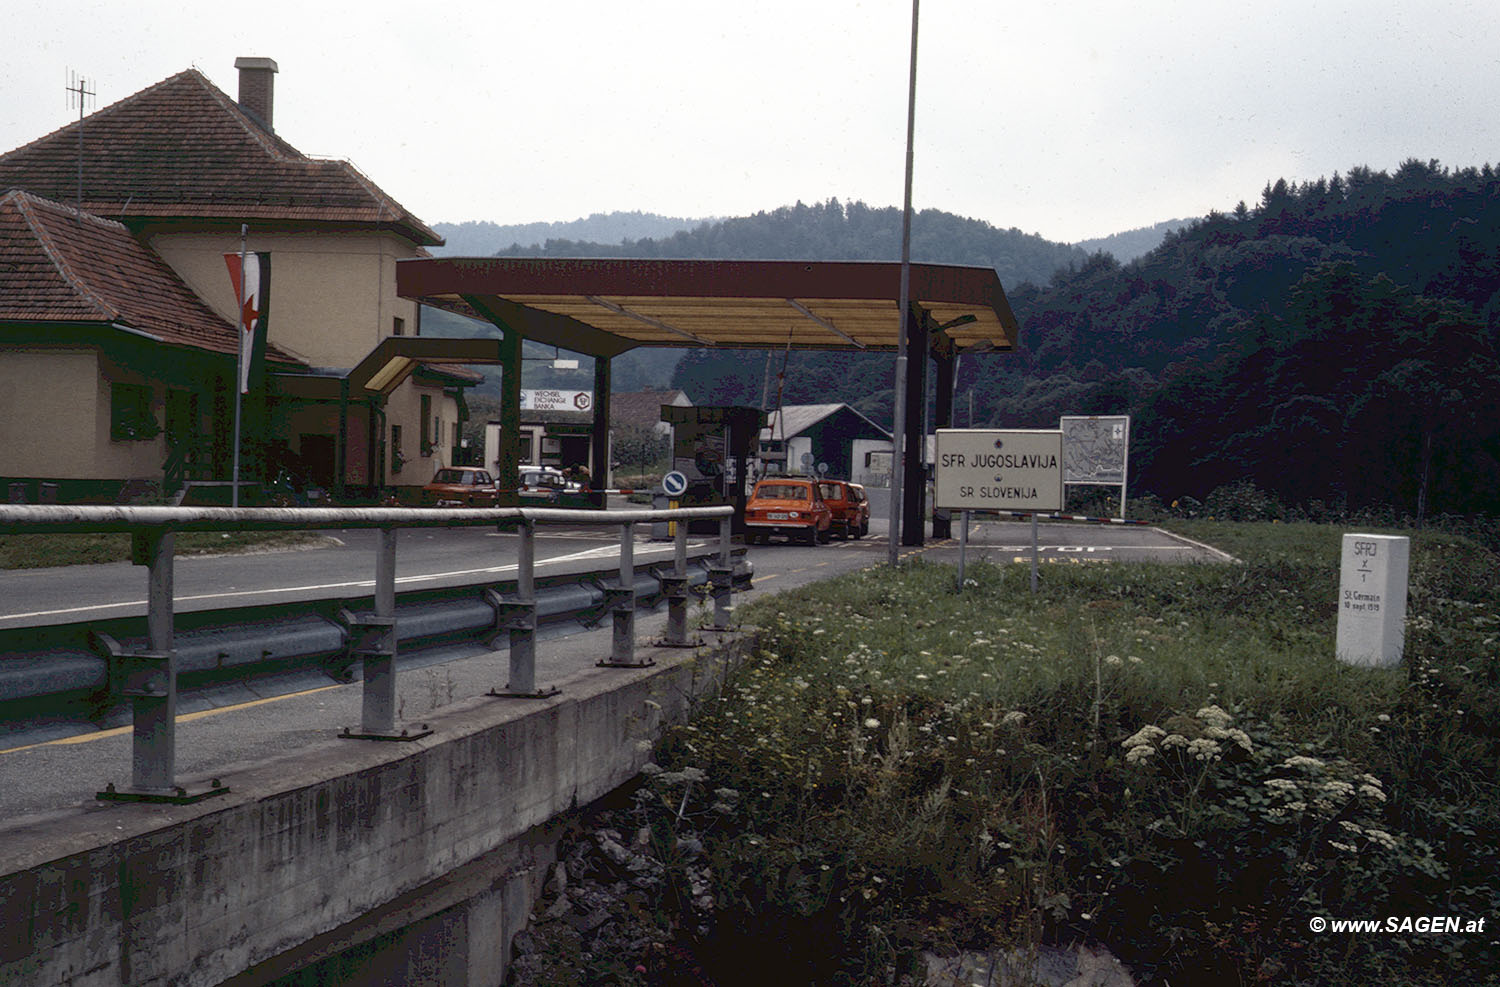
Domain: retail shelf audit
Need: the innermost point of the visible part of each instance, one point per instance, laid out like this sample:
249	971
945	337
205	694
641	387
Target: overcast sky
1071	120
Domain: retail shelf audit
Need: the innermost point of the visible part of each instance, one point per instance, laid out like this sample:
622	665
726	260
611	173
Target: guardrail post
518	616
375	646
675	588
721	578
620	601
149	678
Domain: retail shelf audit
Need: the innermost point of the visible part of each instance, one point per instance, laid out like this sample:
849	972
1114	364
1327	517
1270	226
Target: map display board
1096	449
988	470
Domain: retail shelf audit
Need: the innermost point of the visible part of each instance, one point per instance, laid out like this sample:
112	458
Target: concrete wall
336	844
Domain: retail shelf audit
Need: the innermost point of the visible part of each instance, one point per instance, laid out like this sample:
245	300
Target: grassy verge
1166	759
43	551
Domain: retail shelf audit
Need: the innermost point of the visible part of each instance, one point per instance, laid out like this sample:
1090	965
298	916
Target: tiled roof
182	149
60	265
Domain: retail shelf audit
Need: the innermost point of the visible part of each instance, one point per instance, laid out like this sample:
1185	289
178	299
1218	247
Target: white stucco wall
49	418
333	295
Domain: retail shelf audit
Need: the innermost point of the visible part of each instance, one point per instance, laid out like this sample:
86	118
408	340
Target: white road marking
612	549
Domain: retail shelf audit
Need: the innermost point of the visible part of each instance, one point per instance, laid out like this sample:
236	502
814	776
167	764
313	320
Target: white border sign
989	470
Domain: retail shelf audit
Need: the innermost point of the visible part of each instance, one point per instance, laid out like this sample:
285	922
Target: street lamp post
898	457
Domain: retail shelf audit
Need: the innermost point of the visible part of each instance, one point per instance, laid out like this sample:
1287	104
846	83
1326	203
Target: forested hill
1130	244
484	239
1336	343
842	231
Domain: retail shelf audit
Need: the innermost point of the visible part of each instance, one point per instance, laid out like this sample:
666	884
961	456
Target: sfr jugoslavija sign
989	470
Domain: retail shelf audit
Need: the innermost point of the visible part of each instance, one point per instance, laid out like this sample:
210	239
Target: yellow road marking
84	738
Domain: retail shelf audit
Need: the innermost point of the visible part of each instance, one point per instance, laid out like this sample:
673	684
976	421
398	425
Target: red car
849	506
788	506
460	486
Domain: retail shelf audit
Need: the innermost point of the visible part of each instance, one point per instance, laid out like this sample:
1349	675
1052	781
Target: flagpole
239	369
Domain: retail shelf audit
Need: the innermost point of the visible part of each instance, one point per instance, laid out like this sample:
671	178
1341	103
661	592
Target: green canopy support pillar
508	456
945	361
914	465
599	458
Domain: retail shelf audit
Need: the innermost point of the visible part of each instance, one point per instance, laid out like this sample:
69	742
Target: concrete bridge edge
341	843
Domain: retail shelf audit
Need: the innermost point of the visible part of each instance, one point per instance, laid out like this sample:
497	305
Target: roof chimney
257	87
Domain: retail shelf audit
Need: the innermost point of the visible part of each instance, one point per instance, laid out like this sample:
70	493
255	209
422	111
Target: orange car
788	506
849	506
460	486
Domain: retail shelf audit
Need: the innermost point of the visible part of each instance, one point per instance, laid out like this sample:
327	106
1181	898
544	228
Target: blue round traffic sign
674	484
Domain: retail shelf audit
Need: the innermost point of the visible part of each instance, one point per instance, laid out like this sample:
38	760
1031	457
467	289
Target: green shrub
924	766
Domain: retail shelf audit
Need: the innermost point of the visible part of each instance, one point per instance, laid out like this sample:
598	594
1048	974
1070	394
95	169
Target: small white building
832	439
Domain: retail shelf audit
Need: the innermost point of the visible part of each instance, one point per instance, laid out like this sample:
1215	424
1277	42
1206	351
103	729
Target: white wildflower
1214	716
1144	736
1204	749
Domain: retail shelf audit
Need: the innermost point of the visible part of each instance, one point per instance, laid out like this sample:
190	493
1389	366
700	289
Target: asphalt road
433	557
250	723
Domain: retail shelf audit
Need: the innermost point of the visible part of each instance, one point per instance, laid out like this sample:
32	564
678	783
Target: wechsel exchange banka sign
551	400
986	470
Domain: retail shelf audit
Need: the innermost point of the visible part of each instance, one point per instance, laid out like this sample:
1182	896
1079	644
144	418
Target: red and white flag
244	274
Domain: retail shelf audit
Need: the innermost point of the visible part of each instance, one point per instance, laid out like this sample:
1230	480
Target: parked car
541	486
460	486
849	506
788	506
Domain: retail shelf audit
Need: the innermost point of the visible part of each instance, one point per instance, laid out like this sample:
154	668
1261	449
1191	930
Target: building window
397	460
130	416
427	424
398	326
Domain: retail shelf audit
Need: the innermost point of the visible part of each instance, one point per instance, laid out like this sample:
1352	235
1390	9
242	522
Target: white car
542	485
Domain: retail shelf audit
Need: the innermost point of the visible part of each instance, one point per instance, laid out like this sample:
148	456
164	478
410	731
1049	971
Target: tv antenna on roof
81	95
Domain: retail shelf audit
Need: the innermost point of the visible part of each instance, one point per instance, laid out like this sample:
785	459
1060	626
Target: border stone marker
1372	599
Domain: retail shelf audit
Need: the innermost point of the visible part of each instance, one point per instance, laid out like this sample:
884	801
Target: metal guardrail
148	676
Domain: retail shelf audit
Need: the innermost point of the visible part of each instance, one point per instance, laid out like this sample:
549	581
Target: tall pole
898	458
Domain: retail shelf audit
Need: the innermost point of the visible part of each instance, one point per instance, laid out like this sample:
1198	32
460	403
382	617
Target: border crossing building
119	322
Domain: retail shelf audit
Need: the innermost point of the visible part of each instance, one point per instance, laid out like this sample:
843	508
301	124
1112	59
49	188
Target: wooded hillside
1336	342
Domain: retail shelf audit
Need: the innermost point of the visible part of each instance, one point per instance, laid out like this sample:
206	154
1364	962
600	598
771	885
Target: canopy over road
604	307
